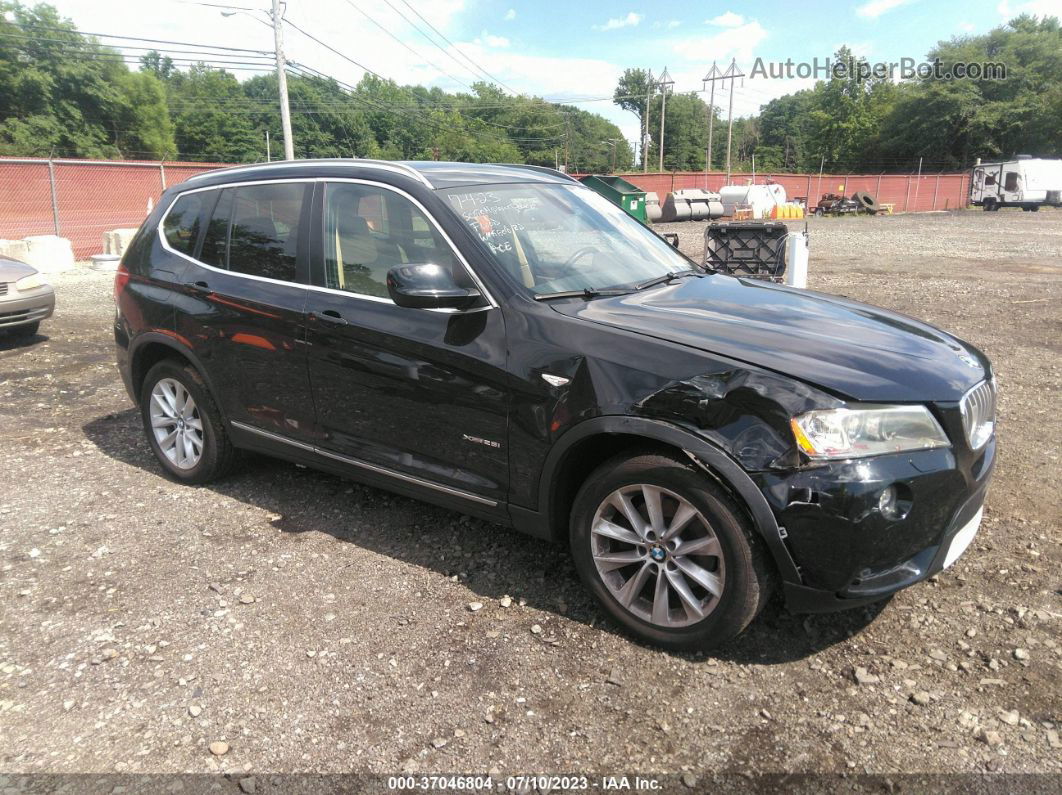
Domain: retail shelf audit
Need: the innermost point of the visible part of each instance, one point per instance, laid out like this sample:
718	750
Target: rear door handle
330	316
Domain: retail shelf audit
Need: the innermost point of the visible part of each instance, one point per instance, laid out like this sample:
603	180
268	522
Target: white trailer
1026	182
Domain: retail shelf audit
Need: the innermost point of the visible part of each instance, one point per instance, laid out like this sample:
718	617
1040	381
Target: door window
181	225
255	230
369	230
1011	183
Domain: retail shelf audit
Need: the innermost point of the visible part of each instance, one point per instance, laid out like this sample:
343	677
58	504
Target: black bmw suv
502	341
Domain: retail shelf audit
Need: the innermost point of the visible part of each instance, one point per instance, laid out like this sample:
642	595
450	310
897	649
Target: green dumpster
618	191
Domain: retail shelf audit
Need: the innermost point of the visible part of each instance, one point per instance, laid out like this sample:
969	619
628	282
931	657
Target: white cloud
727	20
493	41
670	25
629	21
875	8
966	27
1038	8
738	42
510	15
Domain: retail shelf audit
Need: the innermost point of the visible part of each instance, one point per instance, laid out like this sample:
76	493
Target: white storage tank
761	198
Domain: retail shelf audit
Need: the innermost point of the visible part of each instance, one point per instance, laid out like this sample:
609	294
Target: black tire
868	202
28	330
218	455
748	573
988	205
1035	208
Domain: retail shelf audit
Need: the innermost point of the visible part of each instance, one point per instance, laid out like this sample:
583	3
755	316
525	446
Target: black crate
754	249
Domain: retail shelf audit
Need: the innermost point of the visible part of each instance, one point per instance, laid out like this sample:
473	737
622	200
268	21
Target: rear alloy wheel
667	552
176	423
183	424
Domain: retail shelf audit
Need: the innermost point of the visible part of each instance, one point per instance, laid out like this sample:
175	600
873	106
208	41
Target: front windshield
555	238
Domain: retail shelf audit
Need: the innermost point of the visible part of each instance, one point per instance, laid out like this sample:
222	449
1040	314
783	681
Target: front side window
181	225
255	230
368	231
556	238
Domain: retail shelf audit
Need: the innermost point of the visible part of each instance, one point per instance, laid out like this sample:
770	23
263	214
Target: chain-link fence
82	199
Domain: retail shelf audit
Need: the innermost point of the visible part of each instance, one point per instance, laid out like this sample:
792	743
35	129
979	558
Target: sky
566	51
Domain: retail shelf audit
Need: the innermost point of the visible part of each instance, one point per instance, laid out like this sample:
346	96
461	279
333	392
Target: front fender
710	457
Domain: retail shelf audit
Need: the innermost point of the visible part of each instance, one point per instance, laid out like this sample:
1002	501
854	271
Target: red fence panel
25	200
91	196
95	196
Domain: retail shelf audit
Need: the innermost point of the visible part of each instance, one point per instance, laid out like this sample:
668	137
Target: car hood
11	270
852	349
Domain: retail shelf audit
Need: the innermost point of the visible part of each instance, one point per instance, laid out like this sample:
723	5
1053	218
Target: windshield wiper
586	292
667	277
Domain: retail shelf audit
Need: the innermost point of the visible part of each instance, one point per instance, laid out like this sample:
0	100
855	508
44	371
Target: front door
419	392
243	305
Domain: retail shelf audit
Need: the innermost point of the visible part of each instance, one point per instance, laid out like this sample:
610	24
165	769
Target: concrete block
14	249
49	253
117	240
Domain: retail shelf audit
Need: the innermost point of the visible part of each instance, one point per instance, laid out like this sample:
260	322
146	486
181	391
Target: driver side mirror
428	286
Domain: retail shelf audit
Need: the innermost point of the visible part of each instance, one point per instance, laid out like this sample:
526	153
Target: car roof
430	173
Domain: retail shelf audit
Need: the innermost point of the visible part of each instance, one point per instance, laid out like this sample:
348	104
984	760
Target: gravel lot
312	624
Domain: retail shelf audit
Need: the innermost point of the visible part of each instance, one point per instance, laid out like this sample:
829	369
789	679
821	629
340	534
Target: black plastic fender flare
714	460
176	346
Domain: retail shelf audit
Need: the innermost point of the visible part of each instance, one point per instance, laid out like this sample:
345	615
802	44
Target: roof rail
386	165
541	169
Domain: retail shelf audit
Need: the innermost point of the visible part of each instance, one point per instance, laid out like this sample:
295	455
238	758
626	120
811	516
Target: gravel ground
311	624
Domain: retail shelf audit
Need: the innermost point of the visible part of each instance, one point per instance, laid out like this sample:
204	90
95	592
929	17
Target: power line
475	67
142	38
419	55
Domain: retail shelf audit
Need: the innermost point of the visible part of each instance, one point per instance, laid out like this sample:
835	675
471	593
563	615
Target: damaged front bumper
847	553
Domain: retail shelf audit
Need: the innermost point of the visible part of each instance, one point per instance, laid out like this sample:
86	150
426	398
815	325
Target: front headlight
857	433
31	282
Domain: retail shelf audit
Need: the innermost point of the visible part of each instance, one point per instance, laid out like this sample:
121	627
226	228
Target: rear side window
255	230
181	225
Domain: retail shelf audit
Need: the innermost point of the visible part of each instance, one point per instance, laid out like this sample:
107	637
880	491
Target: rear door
243	303
414	391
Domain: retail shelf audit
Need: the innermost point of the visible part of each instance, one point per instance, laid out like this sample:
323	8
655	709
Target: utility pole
711	77
645	124
918	181
665	85
731	72
269	156
282	81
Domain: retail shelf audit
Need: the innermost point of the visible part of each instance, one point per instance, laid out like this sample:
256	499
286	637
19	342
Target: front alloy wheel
658	555
667	552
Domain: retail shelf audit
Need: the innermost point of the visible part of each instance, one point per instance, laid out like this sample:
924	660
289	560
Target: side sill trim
276	437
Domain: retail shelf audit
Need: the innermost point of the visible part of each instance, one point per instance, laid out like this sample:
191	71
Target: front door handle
330	316
200	285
